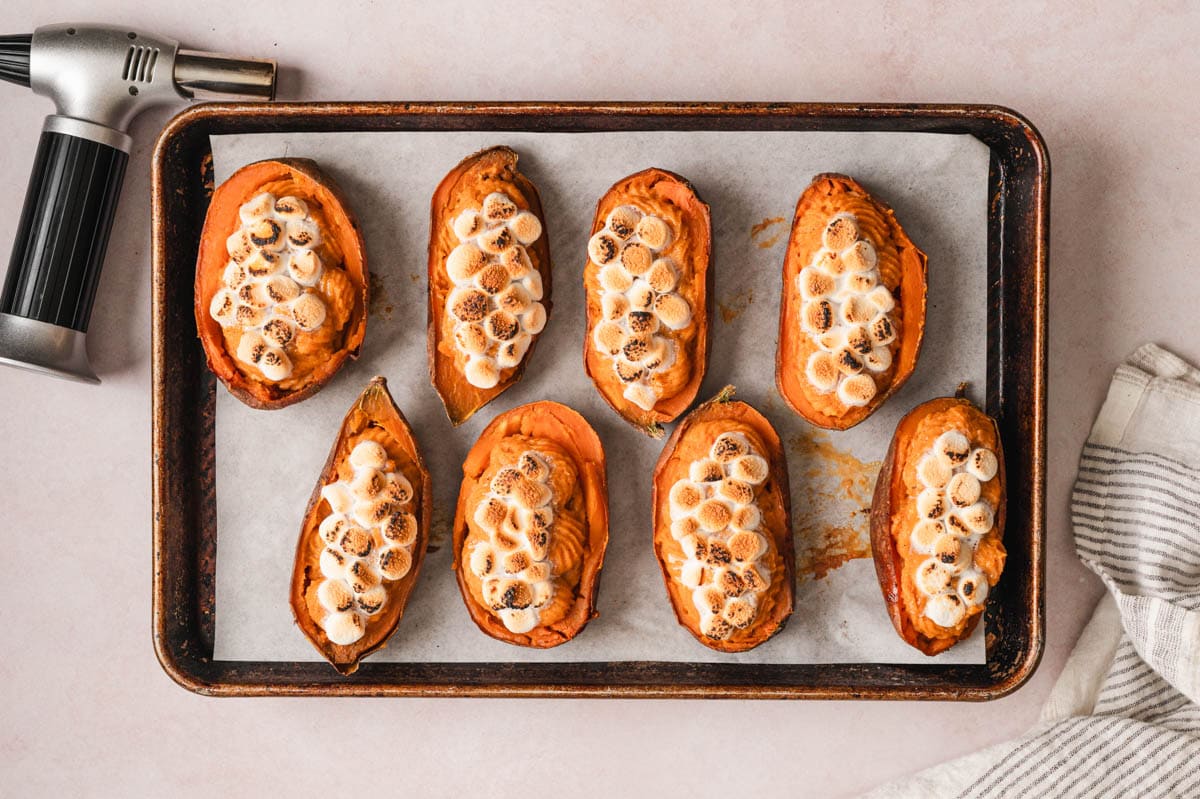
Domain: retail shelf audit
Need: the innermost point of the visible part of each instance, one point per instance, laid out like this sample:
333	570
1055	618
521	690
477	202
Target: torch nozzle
209	76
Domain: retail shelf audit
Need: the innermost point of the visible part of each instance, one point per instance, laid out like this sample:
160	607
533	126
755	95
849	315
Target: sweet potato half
465	189
388	515
910	535
315	355
633	257
725	555
900	267
531	525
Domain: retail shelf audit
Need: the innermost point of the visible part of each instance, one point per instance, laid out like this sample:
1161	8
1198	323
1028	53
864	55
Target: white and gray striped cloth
1124	717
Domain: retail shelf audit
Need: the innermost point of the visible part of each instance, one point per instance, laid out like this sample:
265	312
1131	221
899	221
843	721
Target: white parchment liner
268	461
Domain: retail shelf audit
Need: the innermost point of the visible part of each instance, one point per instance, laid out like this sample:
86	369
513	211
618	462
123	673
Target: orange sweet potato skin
303	178
774	501
572	434
478	175
671	196
829	194
886	512
374	409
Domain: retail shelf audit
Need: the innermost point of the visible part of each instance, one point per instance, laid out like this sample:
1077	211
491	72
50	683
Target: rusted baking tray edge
184	397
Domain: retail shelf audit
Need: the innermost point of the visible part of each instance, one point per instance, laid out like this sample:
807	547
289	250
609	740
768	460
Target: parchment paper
268	461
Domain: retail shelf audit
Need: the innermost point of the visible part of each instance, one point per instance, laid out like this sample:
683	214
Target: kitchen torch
99	78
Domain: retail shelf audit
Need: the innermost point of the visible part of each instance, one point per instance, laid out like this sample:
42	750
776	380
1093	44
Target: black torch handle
60	243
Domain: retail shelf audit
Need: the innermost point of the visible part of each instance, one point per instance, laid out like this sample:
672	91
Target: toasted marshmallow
483	560
746	518
972	588
266	234
636	347
735	491
740	613
251	294
356	542
464	261
398	489
492	279
533	321
533	466
622	220
290	208
262	263
685	497
251	346
833	341
963	490
344	629
275	365
705	470
308	311
641	296
856	311
660	355
373	512
304	266
816	317
361	577
505	480
831	263
753	580
715	627
608	337
713	515
614	306
983	464
394	562
530	494
945	610
519	621
367	483
498	207
709	599
335	596
526	227
859	257
533	284
930	504
746	546
234	276
641	395
603	248
752	469
517	562
333	564
861	283
501	326
303	233
694	547
514	299
881	297
471	339
729	446
400	528
223	307
856	390
368	455
882	330
840	232
953	446
933	471
332	527
684	526
662	276
511	352
543	589
858	340
238	246
468	224
691	573
372	600
496	240
280	289
481	372
278	331
878	359
924	534
979	517
654	232
628	372
814	283
256	208
933	577
636	258
948	549
822	372
614	278
673	311
339	497
516	261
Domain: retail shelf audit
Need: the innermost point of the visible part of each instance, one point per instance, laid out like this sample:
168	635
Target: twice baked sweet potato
489	280
852	312
281	282
722	525
649	287
364	534
937	520
531	525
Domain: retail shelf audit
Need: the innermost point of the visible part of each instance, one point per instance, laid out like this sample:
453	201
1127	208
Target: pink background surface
85	706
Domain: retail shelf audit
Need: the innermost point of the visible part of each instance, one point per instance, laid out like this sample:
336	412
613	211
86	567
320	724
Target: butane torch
99	77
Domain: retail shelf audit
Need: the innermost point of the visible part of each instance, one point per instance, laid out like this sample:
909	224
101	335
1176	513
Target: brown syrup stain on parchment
767	233
733	306
440	522
832	520
381	303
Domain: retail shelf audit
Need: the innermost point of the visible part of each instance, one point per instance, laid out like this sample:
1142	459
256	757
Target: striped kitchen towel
1124	717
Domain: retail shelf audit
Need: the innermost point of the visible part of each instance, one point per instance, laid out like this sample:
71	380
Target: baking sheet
268	461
